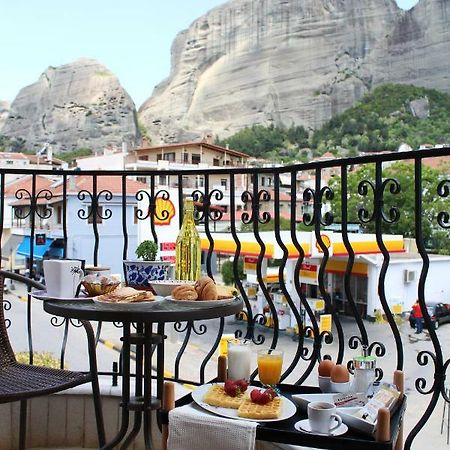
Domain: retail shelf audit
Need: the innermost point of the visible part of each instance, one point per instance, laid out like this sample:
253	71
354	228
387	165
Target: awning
10	246
38	250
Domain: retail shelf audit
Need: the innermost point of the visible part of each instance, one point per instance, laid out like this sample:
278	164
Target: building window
142	179
163	180
224	182
143	158
199	182
159	157
186	157
216	162
263	181
196	158
91	215
169	157
59	215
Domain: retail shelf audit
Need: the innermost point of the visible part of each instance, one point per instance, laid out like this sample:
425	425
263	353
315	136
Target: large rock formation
76	105
4	111
294	62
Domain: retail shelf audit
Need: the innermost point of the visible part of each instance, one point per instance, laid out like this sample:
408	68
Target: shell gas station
400	285
401	282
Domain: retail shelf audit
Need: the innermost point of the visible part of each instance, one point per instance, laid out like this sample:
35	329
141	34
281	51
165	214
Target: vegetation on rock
382	120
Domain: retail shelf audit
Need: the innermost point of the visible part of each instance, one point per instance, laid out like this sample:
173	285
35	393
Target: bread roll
184	292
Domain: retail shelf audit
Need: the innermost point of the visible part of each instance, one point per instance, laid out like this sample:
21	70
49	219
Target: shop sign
325	323
250	263
41	239
309	274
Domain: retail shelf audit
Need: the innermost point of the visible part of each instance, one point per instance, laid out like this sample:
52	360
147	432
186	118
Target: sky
131	38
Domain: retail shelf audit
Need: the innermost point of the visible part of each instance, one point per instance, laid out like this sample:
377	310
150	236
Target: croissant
206	289
184	292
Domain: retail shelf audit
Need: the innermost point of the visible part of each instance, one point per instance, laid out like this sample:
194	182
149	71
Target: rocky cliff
4	111
76	105
294	61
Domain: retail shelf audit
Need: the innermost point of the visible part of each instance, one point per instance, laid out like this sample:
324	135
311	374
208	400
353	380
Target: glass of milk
238	359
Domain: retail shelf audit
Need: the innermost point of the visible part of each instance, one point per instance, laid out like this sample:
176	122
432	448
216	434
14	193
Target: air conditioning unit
410	276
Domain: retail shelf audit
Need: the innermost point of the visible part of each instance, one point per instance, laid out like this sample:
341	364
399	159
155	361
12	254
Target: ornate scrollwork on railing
161	206
57	321
202	329
263	196
443	217
393	214
181	327
7	307
325	193
421	383
84	214
43	194
257	339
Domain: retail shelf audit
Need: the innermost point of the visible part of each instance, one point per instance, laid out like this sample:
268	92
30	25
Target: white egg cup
325	384
341	388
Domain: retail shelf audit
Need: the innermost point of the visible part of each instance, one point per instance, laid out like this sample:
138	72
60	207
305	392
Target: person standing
418	317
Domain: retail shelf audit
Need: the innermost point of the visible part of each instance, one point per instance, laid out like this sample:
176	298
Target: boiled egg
325	368
339	374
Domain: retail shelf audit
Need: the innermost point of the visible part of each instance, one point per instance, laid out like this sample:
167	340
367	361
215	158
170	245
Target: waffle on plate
216	396
250	410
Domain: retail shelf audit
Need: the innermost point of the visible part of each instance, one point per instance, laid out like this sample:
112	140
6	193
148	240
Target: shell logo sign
164	211
326	240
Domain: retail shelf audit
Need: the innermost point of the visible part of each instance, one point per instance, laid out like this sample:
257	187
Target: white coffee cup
321	415
62	277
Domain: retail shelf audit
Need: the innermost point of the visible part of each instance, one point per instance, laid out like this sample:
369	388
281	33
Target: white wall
111	162
437	286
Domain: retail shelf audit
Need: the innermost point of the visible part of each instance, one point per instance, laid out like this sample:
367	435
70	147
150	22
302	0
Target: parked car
439	313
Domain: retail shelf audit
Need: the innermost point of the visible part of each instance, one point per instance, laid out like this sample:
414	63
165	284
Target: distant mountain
76	105
4	111
301	62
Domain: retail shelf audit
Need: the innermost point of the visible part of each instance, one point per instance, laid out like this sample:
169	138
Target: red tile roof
109	183
26	184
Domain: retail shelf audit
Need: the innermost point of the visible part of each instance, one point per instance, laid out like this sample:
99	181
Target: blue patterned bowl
139	274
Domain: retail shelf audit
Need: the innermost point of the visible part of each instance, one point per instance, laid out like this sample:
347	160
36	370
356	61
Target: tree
399	194
228	273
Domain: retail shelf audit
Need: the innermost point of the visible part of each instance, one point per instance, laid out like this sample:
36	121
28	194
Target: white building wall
115	161
437	286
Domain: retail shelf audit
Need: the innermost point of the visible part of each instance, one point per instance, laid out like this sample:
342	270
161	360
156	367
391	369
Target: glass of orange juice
270	363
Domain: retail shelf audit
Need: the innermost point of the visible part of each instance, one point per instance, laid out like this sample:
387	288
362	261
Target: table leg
148	384
137	421
125	389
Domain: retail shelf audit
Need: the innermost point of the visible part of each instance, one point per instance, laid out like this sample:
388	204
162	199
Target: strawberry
242	384
263	396
231	388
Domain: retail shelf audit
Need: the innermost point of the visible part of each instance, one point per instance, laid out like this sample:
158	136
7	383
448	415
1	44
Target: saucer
304	427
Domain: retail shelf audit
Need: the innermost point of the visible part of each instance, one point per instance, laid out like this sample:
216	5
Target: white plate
132	304
288	409
305	427
42	295
203	302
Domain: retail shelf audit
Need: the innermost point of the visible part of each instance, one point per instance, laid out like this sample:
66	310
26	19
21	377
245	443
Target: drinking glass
270	363
239	359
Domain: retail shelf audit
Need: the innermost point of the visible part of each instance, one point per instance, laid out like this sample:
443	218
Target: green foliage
268	141
70	157
382	120
147	250
228	273
44	359
403	200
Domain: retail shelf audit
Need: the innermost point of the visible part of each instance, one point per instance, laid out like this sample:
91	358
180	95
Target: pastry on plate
126	295
184	292
206	289
224	292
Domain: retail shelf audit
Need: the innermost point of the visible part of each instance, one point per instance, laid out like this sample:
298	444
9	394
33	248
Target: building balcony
313	288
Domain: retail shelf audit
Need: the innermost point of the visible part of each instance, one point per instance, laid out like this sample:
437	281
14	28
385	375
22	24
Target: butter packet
385	397
350	399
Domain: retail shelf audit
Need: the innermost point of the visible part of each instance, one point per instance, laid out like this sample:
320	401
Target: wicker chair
19	382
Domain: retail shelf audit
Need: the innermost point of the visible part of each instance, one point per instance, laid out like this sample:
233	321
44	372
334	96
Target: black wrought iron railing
350	276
